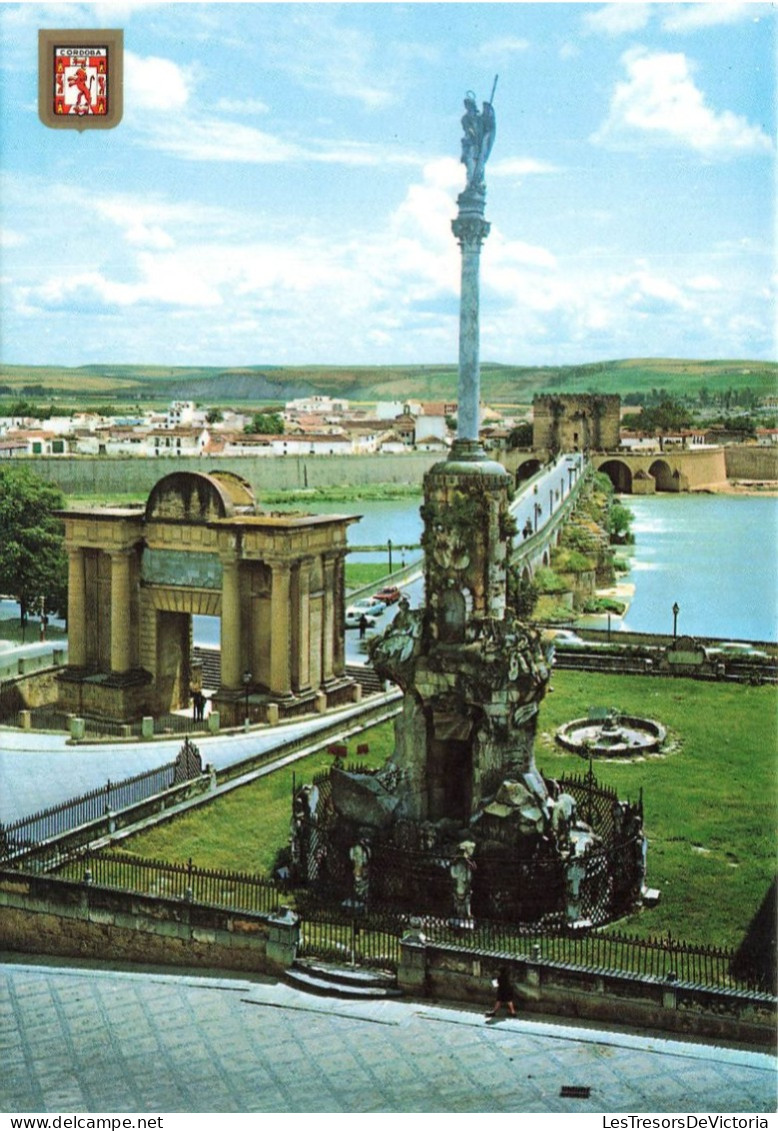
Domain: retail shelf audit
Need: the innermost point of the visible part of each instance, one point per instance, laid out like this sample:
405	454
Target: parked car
370	605
563	636
354	618
389	595
735	650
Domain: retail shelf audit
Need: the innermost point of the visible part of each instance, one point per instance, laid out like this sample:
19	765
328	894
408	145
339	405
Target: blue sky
281	186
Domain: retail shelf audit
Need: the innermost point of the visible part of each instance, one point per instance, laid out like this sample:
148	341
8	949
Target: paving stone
94	1039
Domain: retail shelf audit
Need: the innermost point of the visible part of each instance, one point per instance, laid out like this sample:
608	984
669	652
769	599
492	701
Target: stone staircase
366	677
211	661
353	982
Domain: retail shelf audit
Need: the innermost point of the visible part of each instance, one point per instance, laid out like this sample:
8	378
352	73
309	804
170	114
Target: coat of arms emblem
80	78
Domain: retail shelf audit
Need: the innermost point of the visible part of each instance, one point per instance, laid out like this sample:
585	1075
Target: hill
500	384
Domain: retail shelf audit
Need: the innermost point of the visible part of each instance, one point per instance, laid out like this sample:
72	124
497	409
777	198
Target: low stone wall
545	987
25	692
44	915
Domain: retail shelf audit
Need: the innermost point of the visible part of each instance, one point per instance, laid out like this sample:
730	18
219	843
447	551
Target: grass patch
343	493
244	830
710	800
11	629
364	573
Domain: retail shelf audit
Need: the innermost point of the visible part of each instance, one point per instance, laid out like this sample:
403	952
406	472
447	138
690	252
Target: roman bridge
545	499
632	473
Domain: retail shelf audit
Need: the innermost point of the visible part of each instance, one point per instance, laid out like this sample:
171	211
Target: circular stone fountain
611	734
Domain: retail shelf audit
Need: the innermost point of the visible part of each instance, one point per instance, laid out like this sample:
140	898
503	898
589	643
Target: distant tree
451	423
214	416
520	436
265	424
668	415
33	563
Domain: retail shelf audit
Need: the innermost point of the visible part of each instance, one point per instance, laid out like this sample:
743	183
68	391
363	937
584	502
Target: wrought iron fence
371	935
211	887
664	958
47	824
363	940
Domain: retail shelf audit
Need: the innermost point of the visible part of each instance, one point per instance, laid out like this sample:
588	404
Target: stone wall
546	987
93	475
752	462
43	915
40	689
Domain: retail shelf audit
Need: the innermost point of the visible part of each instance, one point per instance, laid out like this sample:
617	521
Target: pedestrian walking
504	993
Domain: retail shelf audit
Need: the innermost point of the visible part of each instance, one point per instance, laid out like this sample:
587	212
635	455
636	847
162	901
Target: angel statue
478	130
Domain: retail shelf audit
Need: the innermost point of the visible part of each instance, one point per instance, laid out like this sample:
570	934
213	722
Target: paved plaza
74	1038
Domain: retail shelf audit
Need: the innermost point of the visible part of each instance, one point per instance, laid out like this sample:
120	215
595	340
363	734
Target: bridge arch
527	469
662	473
620	475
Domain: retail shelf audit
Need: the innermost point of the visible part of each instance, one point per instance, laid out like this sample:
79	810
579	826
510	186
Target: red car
390	595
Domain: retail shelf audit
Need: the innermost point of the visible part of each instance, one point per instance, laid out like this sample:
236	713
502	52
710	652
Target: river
716	556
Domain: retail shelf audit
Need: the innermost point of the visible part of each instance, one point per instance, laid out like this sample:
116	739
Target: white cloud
691	17
213	139
503	45
618	18
153	83
704	283
337	59
11	238
659	102
242	106
520	167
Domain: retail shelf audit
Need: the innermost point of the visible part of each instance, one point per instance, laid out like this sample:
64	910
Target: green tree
265	424
33	563
619	520
520	436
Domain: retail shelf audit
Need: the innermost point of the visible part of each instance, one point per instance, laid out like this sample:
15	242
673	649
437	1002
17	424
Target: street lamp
389	547
538	510
676	611
247	678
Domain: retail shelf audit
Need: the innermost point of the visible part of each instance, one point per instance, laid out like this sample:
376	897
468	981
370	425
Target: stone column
471	230
328	621
338	628
76	608
280	630
231	650
301	636
121	623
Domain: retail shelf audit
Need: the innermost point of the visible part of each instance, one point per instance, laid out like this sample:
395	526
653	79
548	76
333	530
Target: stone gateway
202	546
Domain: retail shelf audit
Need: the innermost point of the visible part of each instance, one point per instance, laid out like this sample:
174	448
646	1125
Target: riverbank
742	487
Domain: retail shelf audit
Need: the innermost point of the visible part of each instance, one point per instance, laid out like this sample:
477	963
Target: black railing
210	887
45	825
371	935
614	952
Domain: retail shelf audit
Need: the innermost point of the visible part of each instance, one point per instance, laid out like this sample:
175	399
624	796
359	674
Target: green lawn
710	800
244	830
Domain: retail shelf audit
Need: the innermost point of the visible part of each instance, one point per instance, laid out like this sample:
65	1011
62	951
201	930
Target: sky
281	187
